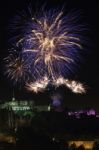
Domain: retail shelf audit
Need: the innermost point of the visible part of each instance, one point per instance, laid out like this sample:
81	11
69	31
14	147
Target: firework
38	86
75	86
16	68
48	47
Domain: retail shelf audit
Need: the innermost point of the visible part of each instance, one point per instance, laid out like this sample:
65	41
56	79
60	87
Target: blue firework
48	43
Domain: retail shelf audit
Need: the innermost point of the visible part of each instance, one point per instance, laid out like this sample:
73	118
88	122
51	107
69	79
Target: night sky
88	70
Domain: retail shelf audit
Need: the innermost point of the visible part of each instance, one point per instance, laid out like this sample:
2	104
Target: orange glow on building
88	145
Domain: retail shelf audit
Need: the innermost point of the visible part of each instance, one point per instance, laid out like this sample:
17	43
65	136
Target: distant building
79	113
20	112
17	105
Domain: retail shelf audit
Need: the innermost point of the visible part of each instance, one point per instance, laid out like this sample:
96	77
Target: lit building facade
79	113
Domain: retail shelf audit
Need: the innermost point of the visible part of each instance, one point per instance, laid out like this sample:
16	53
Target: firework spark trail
75	86
49	45
52	42
39	86
16	68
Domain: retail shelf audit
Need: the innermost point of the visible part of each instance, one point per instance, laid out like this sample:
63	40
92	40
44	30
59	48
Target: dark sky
88	72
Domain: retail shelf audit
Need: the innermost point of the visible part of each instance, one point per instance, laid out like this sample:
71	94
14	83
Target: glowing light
56	99
86	144
46	50
16	68
51	41
75	86
38	86
41	85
